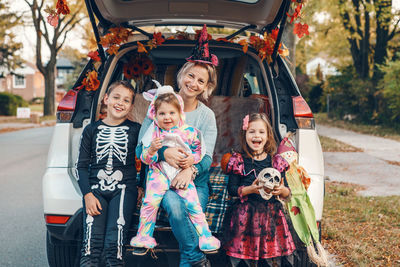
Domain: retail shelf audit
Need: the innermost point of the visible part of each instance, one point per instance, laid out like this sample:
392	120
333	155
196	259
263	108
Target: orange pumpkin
225	160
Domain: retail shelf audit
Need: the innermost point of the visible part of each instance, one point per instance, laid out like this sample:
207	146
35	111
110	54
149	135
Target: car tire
61	253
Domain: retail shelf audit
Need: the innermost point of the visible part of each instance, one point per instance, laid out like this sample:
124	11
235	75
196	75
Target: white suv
245	84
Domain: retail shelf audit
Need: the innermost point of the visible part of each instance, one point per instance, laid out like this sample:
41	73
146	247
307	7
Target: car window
239	74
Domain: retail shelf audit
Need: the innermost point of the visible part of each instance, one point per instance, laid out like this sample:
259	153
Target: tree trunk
383	18
359	39
49	87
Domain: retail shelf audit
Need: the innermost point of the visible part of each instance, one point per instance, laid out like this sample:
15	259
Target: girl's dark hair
270	145
125	84
169	98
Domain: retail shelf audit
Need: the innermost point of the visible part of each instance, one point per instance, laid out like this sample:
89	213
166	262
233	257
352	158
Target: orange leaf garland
244	44
91	82
94	55
141	48
157	37
62	7
300	29
114	38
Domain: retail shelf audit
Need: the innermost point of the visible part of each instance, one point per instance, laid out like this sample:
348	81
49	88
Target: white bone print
121	221
89	223
111	141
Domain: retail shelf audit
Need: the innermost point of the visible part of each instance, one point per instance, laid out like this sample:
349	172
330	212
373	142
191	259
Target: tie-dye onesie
159	180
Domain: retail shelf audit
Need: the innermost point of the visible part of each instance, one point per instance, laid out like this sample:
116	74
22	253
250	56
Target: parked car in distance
245	84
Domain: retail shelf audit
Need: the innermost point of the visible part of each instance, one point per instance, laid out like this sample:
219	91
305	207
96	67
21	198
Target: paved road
22	164
370	168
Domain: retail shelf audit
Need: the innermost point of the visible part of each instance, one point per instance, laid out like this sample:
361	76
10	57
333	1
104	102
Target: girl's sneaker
209	245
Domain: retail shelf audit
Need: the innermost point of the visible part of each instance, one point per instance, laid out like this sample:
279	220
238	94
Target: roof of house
64	63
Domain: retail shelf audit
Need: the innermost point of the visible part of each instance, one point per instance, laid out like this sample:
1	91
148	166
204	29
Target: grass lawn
36	107
361	231
333	145
377	130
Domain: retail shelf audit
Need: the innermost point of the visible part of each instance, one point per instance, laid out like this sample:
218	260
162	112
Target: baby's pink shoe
143	242
209	245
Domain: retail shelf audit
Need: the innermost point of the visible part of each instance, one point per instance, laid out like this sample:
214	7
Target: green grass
361	231
377	130
36	107
333	145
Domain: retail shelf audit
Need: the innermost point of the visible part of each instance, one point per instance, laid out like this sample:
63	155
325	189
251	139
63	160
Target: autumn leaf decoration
94	55
300	29
264	45
91	82
115	38
54	14
157	40
138	66
295	210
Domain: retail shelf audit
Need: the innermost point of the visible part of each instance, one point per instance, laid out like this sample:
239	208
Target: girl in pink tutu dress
255	228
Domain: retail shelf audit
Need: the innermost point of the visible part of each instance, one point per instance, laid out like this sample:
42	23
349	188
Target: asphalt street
22	163
377	168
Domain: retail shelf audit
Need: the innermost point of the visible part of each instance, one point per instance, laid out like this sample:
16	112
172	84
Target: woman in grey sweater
196	81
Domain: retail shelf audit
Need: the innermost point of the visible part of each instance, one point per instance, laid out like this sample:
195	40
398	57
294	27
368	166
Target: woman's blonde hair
212	77
270	145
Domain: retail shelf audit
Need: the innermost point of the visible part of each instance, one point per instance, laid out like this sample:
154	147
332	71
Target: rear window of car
239	74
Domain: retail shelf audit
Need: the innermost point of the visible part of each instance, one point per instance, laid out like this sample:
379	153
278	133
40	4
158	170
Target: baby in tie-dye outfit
169	129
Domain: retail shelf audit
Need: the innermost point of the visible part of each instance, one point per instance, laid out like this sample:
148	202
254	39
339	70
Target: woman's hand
182	179
251	189
173	155
187	161
92	204
155	145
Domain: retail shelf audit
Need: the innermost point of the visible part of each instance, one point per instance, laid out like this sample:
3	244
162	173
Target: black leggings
109	229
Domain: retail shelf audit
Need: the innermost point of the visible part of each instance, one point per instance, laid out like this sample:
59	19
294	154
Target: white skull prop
268	178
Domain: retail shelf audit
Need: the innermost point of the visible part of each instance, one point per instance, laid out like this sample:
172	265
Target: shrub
350	95
9	104
390	86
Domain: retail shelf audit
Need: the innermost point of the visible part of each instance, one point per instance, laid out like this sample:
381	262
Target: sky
27	34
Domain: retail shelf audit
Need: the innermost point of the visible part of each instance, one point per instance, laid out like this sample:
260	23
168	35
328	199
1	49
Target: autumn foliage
91	82
115	38
54	15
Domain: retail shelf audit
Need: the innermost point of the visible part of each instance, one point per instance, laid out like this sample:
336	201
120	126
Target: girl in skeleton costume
255	227
169	129
107	178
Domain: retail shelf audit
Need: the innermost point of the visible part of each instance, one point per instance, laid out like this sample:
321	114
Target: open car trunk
232	13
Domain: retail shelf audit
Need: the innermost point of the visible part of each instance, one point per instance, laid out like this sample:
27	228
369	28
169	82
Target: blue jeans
182	226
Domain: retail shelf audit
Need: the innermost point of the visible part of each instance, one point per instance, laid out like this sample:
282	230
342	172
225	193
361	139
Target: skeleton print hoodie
107	156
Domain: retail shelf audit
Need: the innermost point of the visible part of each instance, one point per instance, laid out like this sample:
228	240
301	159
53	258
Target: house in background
327	67
64	69
25	81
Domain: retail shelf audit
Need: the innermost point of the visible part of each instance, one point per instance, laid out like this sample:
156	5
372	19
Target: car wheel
61	253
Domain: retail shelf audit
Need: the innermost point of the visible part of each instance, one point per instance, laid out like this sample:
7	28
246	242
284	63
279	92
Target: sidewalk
370	168
9	124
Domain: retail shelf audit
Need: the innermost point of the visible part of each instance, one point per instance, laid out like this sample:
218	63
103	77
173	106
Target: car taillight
56	219
302	113
67	105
